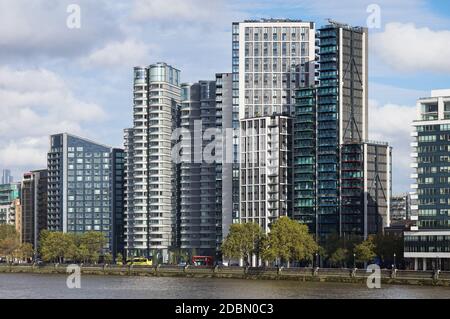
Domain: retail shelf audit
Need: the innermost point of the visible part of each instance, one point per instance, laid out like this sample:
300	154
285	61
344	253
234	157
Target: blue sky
55	79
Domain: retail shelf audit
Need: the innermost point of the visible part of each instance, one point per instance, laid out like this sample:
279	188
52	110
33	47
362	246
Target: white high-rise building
271	58
150	172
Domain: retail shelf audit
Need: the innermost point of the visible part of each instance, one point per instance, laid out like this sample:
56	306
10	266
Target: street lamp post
354	260
395	263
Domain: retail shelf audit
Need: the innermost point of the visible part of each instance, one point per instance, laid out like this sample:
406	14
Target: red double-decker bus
203	261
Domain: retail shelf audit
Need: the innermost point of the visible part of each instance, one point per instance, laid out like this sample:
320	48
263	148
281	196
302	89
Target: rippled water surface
95	287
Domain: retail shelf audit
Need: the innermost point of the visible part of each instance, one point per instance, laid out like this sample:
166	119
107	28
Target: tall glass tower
342	181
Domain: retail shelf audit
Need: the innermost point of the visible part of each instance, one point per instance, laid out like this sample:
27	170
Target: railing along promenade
345	275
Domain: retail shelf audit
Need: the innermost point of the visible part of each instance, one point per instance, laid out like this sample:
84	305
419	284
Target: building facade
400	208
80	187
9	193
34	206
342	181
266	169
226	149
427	245
198	205
6	177
271	58
151	174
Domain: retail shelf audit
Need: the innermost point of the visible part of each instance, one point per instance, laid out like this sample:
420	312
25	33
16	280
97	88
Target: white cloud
405	47
120	54
393	123
38	28
34	104
177	10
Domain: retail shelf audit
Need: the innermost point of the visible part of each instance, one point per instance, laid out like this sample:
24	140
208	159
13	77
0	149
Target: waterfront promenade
401	277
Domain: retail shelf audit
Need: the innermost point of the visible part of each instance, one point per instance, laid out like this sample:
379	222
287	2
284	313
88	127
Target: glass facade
341	180
81	186
198	205
304	208
427	245
8	194
433	175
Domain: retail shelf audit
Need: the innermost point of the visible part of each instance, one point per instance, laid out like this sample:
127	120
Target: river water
18	286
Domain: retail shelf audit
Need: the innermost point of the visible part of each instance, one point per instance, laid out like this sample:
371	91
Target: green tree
387	246
243	241
339	257
334	242
25	251
57	246
107	258
365	251
289	241
119	258
94	242
9	241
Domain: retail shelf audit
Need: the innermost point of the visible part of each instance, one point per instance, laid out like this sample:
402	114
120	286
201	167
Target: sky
57	79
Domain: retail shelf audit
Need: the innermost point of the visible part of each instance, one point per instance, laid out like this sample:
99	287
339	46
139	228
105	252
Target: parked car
182	264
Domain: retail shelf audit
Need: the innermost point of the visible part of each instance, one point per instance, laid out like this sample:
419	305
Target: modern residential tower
150	172
198	205
271	58
342	181
34	206
81	177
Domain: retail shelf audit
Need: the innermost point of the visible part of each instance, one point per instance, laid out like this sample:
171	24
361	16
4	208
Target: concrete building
271	58
80	186
34	206
342	181
427	245
266	171
226	150
150	173
400	208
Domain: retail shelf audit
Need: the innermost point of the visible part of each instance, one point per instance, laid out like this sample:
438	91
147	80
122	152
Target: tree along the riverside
61	247
339	257
289	241
11	246
338	250
119	258
387	246
243	241
365	251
